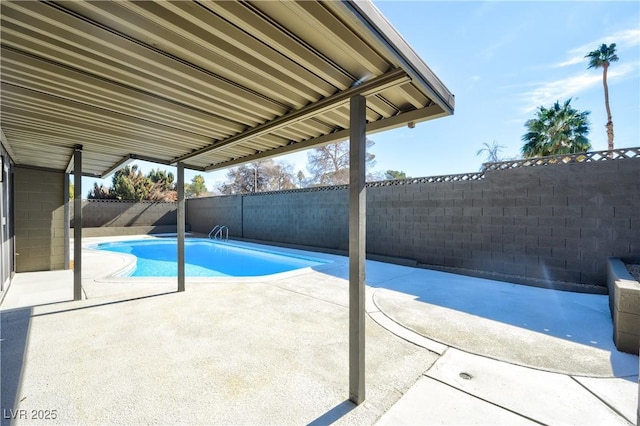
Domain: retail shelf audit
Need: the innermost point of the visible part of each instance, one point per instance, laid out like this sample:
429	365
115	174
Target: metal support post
77	223
357	248
181	227
67	224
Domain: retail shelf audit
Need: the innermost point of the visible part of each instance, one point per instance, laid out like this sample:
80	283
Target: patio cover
210	84
91	85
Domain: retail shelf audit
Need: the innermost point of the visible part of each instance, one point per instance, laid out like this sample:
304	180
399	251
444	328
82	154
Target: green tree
329	164
394	174
560	129
162	179
492	152
129	183
196	187
602	58
163	187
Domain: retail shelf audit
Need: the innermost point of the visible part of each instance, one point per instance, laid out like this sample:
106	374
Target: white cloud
546	93
623	39
488	53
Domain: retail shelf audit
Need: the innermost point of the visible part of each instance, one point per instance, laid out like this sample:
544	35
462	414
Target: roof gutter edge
395	44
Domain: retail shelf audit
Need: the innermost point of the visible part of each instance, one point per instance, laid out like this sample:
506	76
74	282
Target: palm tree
492	151
556	130
602	58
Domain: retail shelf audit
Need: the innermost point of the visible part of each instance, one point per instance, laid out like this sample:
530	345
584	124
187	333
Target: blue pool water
205	258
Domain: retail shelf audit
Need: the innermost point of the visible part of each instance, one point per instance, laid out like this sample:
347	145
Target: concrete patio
441	349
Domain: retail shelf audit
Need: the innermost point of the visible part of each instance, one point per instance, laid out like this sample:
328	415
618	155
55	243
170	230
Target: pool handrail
220	232
215	228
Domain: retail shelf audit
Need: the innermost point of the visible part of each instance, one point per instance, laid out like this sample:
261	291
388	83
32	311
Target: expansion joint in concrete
487	401
611	407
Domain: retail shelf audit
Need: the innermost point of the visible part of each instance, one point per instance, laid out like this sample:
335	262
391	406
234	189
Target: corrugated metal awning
210	84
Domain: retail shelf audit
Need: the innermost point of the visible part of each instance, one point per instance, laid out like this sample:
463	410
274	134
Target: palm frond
560	129
602	56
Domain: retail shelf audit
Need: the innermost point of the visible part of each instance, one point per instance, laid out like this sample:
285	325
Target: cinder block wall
39	216
556	223
114	213
550	223
317	218
205	213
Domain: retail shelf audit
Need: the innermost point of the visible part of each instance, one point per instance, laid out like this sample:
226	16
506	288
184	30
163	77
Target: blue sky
502	60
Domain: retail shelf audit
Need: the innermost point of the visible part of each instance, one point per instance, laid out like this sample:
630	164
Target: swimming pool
205	258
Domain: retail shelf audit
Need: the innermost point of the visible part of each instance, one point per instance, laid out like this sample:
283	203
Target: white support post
357	248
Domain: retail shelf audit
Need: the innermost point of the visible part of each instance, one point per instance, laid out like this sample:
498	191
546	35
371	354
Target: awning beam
128	159
125	161
415	116
367	88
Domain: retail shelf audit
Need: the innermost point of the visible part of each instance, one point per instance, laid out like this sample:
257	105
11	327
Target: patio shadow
14	335
334	414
